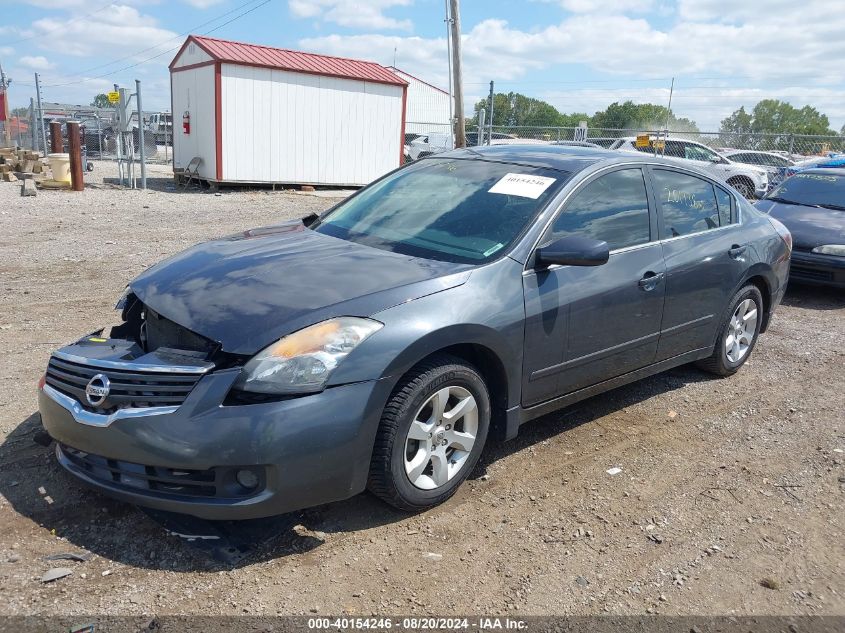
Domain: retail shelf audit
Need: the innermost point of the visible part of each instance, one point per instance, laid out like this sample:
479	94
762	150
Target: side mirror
572	250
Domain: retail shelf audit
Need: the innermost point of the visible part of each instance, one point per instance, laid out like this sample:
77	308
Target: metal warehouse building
255	114
427	108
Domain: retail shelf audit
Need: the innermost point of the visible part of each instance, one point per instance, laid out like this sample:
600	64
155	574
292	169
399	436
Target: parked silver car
751	181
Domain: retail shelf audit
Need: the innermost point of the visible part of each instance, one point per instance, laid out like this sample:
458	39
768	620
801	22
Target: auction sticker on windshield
523	185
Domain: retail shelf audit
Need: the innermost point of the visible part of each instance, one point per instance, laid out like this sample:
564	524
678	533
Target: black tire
388	479
718	362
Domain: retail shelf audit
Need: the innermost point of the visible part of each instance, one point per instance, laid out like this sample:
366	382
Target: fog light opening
247	478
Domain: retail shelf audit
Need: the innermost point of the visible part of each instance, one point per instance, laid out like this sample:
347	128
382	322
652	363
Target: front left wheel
431	434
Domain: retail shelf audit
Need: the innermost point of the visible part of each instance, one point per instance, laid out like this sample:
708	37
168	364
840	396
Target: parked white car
436	142
428	144
773	163
749	180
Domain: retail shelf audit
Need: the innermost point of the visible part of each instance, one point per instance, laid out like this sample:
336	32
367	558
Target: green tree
771	116
514	109
102	101
643	116
21	113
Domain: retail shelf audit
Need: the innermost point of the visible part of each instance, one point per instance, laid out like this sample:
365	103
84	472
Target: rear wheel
738	334
744	186
431	434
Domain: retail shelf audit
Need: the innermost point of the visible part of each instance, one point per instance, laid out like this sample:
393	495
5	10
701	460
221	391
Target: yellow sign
114	97
659	145
642	140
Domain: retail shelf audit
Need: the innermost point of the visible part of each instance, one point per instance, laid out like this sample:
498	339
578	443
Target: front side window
612	208
688	203
464	211
697	152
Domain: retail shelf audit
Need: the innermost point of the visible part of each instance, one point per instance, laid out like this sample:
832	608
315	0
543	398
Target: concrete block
28	187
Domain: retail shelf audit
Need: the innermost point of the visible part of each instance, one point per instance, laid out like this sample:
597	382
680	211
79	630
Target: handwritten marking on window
685	198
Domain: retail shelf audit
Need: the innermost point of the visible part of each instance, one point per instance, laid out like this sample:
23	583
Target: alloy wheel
441	437
741	330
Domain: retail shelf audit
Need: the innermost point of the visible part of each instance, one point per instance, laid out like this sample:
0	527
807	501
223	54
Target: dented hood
248	290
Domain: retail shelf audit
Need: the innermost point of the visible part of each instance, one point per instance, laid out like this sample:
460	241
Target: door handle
737	250
650	280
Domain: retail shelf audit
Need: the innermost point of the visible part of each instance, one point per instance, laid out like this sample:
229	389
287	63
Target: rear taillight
784	233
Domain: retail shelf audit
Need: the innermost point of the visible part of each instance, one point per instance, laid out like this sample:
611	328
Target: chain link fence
792	146
99	130
795	146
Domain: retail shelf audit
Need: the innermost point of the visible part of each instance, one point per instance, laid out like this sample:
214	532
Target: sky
579	55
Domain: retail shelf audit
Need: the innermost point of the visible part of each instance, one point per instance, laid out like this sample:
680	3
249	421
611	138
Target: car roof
826	171
568	158
750	151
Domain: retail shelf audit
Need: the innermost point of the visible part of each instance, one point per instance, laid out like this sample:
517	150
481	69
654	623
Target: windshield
826	190
465	211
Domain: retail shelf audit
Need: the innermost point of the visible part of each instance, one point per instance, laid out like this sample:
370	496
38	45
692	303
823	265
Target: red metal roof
294	61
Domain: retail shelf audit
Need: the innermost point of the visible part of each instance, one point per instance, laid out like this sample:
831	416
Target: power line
81	73
171	50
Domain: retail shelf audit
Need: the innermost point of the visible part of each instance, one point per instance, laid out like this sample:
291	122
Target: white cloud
107	35
203	4
6	51
608	7
423	57
81	7
38	62
352	13
710	42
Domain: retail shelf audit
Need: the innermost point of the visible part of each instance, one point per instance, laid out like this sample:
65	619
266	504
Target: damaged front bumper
185	451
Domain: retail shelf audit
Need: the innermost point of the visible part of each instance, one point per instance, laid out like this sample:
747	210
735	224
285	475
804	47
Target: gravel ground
729	501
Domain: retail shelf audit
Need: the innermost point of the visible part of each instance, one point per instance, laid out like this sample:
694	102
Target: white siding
427	109
193	91
286	127
192	54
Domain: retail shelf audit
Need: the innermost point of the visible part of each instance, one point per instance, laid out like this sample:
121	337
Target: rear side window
612	208
723	200
688	203
748	159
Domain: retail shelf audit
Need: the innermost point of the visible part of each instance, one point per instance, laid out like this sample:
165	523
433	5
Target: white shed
427	106
256	114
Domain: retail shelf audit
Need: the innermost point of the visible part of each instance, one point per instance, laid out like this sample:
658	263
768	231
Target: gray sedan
383	344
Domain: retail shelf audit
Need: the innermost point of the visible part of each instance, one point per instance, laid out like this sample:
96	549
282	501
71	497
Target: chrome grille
129	388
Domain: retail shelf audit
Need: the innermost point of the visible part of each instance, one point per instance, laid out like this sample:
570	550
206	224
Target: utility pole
141	134
4	115
460	132
33	131
449	64
40	112
668	114
490	126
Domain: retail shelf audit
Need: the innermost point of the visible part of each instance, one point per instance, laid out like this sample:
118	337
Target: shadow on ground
40	490
158	183
814	297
